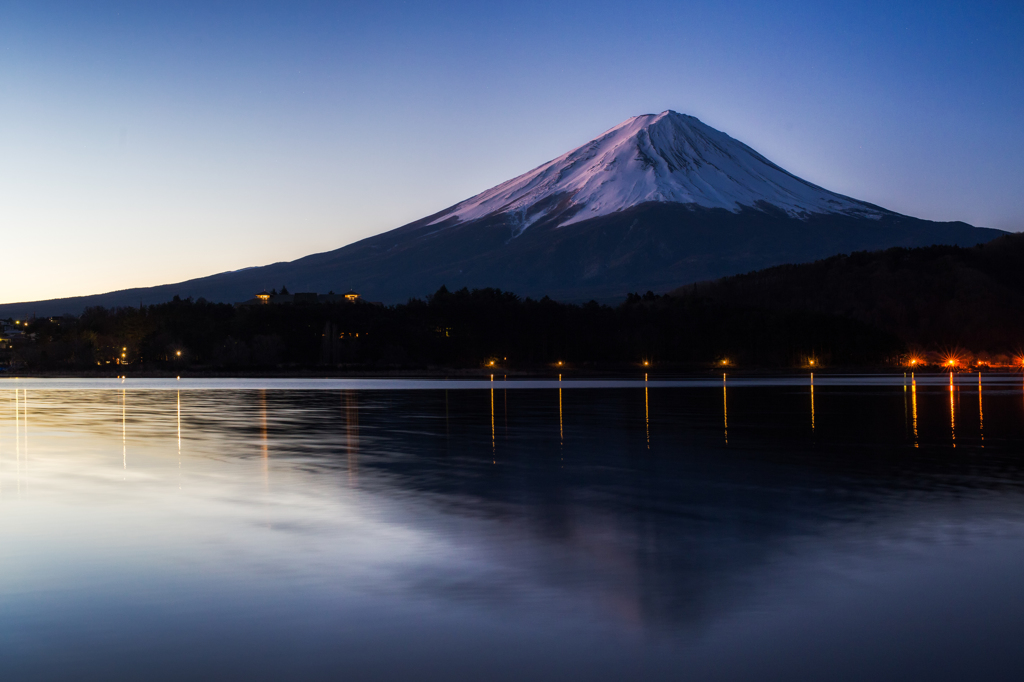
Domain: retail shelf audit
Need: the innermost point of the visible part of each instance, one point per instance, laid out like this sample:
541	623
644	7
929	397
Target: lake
778	528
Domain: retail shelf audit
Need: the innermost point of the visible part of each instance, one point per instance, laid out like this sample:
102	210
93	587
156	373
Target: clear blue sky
143	143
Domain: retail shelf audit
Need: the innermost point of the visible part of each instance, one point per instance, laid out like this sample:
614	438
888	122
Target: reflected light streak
561	430
647	417
812	401
24	423
906	415
913	405
981	413
17	441
124	430
179	439
725	410
493	441
952	410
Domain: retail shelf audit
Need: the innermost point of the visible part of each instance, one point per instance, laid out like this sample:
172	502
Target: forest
484	329
939	305
942	302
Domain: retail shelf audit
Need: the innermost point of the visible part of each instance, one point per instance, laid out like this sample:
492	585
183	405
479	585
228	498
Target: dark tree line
933	298
461	329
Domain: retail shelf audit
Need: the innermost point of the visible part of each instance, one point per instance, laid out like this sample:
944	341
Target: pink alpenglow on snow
667	157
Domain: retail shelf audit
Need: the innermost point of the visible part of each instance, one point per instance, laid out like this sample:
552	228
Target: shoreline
566	372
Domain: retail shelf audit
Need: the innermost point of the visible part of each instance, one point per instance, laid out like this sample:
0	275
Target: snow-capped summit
666	158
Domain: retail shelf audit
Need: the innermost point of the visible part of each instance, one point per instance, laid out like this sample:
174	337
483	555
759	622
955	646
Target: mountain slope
658	201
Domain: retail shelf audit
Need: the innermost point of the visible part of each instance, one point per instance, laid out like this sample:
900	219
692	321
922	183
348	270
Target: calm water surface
865	528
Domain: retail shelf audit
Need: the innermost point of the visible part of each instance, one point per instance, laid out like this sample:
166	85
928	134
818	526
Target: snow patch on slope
666	157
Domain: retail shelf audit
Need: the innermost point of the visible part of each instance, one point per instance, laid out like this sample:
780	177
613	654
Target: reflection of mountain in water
551	535
533	534
567	499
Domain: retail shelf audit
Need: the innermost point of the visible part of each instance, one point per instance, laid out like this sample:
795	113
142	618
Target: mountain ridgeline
655	202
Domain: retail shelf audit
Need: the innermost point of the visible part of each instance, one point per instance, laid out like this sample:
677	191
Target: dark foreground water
865	529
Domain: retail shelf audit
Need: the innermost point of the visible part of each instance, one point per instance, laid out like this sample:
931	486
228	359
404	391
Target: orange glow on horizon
953	359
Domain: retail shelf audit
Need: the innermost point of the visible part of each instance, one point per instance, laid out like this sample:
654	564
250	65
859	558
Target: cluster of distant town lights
948	361
952	362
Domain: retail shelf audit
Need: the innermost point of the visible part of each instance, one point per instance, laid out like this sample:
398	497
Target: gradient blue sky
144	143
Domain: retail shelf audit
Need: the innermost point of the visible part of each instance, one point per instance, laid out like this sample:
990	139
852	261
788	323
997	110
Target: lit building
310	297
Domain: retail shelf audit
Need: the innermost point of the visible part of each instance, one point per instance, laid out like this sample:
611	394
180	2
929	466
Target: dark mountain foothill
942	300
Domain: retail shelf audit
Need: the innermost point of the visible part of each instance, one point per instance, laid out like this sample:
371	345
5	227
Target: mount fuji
668	158
658	201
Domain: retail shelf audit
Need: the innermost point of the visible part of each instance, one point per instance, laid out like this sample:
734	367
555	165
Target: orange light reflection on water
812	401
725	410
981	414
913	405
952	409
